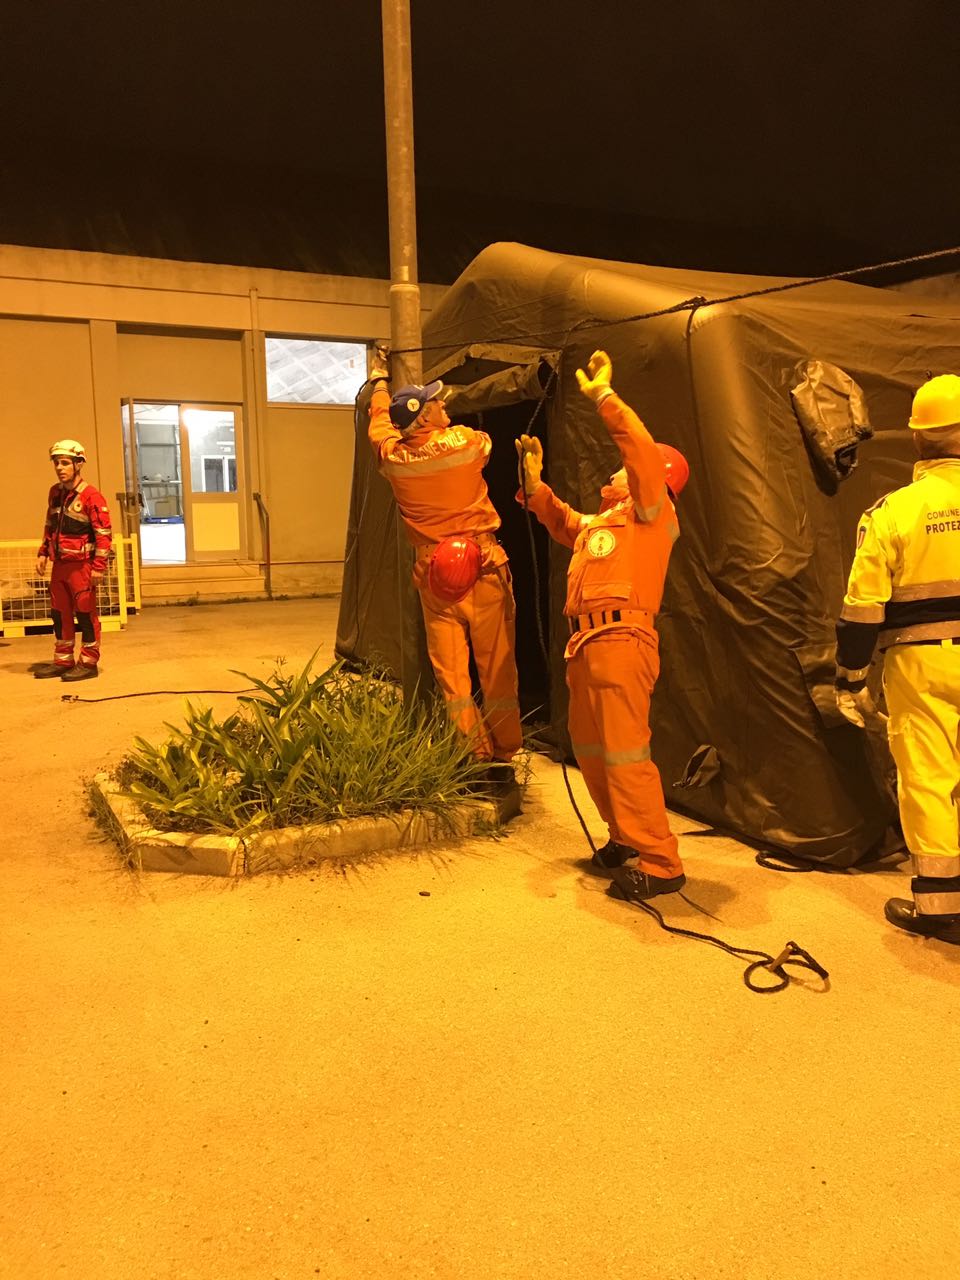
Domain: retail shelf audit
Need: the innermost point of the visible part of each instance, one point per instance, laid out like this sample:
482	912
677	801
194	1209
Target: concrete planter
183	851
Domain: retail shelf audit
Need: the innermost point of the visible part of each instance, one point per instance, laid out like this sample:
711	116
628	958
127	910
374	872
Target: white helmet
69	449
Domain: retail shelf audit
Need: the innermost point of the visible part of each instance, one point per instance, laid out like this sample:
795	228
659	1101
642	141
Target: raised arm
560	520
381	432
642	460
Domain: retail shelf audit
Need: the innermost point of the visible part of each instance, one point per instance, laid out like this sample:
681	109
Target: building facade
215	403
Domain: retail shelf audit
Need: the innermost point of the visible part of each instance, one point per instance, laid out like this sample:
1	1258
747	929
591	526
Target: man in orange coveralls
614	588
436	472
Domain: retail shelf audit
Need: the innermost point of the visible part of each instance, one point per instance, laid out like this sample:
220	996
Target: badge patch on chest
600	542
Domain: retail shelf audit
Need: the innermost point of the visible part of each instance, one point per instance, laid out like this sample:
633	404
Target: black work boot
633	885
904	915
611	855
50	671
496	779
500	773
80	672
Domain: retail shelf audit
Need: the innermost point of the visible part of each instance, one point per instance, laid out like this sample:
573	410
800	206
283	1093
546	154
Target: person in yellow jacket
436	472
903	594
614	589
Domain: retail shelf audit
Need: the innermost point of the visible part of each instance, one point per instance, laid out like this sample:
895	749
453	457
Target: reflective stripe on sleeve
649	514
852	676
862	612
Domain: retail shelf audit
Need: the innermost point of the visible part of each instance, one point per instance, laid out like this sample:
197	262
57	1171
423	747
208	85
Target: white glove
595	383
530	462
379	364
857	707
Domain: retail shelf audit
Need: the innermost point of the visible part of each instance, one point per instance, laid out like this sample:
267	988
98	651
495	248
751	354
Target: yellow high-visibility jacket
904	584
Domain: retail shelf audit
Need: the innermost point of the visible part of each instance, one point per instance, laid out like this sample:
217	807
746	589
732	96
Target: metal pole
401	191
406	363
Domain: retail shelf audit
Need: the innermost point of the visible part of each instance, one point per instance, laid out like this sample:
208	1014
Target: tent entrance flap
485	376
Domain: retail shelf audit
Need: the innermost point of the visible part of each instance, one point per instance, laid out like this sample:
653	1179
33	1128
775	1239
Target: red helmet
678	469
454	568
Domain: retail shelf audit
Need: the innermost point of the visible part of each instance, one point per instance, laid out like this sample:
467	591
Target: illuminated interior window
308	371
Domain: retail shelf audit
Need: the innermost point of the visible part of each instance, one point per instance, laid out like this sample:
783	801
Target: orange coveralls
614	589
437	480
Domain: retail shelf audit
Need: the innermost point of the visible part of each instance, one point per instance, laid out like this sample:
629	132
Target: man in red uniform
77	539
436	472
614	588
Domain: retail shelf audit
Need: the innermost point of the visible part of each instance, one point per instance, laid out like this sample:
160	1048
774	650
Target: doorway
182	463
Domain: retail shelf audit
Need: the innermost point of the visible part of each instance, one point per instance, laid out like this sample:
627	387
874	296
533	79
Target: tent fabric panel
758	574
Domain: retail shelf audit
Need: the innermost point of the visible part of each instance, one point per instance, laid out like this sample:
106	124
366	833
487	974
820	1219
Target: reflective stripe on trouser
485	621
922	686
72	594
611	680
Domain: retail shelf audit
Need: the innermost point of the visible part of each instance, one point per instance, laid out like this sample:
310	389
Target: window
213	450
308	371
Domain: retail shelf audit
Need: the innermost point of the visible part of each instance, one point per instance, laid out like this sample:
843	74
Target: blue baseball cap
406	405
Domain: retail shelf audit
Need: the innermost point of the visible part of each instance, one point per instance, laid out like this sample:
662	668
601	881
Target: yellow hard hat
74	449
937	404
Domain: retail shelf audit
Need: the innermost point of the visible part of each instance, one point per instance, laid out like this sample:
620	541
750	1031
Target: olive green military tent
772	394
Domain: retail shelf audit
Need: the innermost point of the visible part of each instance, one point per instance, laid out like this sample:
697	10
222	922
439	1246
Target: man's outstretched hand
529	462
595	383
380	364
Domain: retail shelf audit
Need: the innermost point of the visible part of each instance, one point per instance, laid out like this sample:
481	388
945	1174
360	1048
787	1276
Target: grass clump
304	749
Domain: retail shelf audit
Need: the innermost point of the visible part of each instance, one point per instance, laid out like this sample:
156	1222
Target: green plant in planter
304	749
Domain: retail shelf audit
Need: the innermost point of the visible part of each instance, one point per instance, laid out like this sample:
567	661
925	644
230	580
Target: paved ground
333	1075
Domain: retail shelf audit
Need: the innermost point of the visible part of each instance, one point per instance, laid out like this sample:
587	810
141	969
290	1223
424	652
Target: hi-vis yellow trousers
922	687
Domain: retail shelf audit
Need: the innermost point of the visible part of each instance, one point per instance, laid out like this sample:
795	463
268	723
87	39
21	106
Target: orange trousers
610	678
486	622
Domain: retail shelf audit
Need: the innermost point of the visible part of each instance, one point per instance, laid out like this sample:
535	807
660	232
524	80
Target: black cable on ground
791	954
772	860
780	862
151	693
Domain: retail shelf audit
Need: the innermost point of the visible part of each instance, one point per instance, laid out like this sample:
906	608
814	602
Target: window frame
366	343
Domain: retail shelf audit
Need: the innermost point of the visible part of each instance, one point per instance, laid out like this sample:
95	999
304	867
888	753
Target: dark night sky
801	137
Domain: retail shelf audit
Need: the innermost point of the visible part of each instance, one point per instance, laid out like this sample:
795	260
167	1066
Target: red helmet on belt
454	568
678	469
